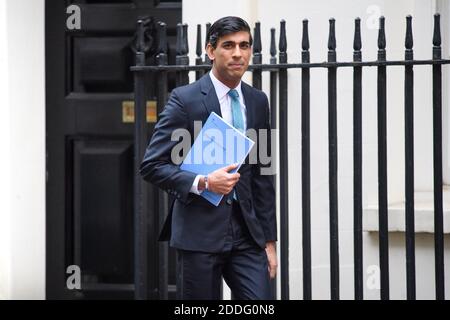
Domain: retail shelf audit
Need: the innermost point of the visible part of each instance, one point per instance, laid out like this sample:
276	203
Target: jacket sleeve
157	166
263	184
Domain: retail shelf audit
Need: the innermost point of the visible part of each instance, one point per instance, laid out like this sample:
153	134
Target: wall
5	200
22	139
269	13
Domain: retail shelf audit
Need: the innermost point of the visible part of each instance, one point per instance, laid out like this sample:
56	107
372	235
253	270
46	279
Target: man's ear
210	51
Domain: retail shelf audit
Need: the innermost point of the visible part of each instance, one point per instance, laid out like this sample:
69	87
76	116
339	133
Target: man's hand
271	251
221	181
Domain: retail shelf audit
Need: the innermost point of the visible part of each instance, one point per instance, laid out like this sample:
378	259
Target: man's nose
237	51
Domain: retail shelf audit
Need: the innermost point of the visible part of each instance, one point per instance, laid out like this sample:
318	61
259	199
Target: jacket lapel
210	102
249	104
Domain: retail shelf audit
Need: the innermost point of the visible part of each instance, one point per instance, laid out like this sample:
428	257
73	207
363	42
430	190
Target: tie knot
233	93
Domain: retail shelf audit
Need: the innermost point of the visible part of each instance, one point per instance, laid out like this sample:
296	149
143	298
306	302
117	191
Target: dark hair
224	26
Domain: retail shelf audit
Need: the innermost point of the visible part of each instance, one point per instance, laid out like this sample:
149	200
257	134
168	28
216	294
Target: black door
90	142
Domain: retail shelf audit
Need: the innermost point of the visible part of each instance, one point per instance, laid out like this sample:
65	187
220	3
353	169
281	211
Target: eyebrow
232	42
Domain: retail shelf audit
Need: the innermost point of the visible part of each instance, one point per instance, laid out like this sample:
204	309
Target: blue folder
217	145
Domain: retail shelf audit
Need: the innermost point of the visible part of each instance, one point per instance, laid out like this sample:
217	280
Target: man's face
231	55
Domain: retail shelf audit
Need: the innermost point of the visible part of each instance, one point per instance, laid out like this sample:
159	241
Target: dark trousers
243	265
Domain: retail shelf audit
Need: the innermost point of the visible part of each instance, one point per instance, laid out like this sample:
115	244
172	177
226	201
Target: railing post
207	60
162	212
284	173
409	165
437	162
273	83
257	56
306	167
333	165
182	53
140	187
273	120
357	163
198	51
382	167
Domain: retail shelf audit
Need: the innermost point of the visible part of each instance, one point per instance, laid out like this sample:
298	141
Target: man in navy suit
237	239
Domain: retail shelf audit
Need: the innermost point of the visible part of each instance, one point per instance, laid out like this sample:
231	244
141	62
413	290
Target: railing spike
409	35
305	36
208	26
332	35
179	39
162	44
357	38
437	30
257	38
273	47
162	35
198	50
140	42
185	43
381	35
282	45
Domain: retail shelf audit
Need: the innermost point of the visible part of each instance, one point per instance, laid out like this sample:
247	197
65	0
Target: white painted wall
269	13
22	141
5	198
443	6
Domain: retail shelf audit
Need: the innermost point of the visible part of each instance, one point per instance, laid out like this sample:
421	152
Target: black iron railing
157	282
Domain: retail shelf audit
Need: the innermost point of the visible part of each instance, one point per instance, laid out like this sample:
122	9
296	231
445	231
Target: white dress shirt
225	108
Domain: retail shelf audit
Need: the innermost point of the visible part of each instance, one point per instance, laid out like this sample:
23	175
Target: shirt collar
222	89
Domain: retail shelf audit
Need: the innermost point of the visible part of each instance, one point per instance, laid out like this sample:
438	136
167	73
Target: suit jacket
193	223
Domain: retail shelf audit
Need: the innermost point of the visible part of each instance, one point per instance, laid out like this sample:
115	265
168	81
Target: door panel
103	223
101	64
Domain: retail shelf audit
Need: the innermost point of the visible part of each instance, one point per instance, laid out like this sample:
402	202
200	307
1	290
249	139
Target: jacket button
229	201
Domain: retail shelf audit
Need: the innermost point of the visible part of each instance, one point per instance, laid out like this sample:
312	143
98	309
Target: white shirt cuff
194	188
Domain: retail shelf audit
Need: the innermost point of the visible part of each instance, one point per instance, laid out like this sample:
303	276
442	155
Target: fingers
230	185
220	181
230	167
271	259
234	176
230	176
272	271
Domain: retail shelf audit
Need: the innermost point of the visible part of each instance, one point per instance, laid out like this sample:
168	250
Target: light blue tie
238	119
